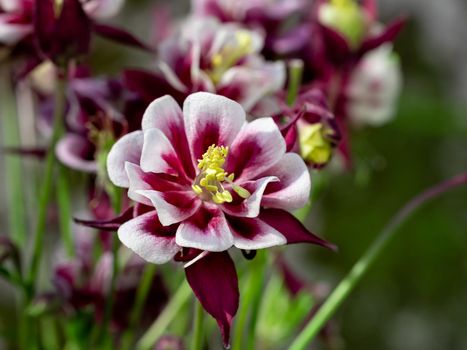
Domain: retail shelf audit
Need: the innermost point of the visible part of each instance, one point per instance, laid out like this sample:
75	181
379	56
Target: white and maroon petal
11	33
248	85
252	234
126	149
206	230
149	239
11	5
172	206
102	9
77	153
158	155
215	284
141	181
258	146
250	206
211	119
292	191
292	228
166	115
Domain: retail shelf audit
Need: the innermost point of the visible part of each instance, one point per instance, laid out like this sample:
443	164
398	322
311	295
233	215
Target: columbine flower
311	129
374	87
209	181
57	30
206	55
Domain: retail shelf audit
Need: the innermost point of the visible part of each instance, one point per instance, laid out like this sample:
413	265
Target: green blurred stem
165	318
13	166
64	208
295	80
47	183
345	287
251	300
141	296
198	327
111	297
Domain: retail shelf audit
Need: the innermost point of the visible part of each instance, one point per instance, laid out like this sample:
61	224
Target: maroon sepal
214	282
389	34
149	86
36	152
64	37
292	228
108	225
120	36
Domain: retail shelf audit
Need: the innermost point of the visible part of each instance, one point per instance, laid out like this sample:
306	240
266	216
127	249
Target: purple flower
210	181
206	55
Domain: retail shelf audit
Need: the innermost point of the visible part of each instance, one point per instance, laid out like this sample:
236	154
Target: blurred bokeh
415	297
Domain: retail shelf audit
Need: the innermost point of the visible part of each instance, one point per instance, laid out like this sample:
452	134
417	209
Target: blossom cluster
214	143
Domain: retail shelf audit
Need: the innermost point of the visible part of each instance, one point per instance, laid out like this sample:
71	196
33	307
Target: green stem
13	166
111	297
64	208
47	184
295	80
345	287
141	296
198	327
162	322
250	303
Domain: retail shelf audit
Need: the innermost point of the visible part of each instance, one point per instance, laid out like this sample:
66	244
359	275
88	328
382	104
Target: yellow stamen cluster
209	182
230	54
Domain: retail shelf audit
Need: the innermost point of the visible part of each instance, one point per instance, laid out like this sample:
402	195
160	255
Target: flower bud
315	146
346	17
169	342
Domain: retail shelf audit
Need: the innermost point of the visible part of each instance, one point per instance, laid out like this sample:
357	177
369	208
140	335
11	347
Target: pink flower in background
206	55
210	181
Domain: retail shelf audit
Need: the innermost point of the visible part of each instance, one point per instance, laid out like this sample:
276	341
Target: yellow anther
197	189
242	192
208	183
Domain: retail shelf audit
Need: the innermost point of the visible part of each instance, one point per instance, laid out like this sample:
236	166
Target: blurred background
415	297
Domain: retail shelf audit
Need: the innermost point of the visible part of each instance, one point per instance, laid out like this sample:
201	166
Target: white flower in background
374	88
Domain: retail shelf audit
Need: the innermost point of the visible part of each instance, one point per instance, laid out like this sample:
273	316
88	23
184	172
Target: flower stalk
47	184
159	326
13	166
197	339
346	286
141	297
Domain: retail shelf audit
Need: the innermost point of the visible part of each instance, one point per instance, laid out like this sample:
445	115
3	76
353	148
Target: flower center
209	182
230	54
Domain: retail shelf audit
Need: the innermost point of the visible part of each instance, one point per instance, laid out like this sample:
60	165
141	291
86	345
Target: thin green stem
295	80
159	326
13	165
47	184
141	297
250	303
345	287
64	208
198	327
111	297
